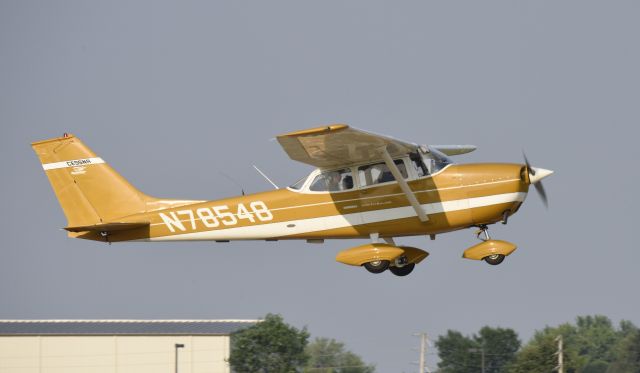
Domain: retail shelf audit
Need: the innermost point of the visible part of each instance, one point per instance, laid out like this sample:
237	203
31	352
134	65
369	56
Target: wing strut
403	185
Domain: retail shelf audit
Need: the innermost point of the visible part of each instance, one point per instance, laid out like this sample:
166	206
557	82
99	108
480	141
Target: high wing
340	145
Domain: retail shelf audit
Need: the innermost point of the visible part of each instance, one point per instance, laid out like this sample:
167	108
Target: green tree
592	345
626	328
596	366
500	346
459	353
270	346
627	353
330	356
539	354
453	351
594	338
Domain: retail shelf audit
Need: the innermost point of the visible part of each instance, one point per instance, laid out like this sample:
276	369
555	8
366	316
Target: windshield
298	184
436	160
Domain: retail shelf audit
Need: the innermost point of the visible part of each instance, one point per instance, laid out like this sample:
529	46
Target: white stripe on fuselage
365	198
295	227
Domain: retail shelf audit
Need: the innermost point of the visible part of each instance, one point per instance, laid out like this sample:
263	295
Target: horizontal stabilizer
108	227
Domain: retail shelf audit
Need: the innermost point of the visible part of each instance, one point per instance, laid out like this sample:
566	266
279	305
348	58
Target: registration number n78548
213	217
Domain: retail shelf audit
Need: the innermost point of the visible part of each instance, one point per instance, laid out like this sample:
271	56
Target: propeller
535	177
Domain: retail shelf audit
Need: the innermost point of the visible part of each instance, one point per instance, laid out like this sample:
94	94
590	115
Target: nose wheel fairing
489	249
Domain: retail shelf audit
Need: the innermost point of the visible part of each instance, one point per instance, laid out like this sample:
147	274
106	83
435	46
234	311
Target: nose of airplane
536	174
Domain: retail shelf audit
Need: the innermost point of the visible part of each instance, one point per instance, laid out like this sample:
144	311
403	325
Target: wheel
404	270
494	259
377	266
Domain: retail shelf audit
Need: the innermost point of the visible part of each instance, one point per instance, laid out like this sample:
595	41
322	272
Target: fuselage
456	197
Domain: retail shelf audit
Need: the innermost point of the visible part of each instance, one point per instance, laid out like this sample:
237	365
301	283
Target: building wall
113	354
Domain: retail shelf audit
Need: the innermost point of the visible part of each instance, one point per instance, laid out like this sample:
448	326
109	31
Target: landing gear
377	257
484	229
491	251
402	271
377	266
494	259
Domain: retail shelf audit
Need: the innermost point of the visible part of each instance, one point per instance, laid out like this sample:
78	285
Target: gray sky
172	94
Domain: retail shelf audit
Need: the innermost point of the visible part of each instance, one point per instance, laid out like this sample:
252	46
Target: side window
333	181
418	165
379	173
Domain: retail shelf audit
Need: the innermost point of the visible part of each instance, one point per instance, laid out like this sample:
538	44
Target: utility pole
481	351
423	352
560	354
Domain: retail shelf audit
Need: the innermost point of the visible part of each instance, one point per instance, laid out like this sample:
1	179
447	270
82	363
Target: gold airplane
364	186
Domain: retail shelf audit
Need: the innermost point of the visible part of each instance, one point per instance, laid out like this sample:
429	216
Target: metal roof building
56	346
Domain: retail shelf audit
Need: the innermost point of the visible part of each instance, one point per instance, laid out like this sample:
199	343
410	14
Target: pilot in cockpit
347	182
333	181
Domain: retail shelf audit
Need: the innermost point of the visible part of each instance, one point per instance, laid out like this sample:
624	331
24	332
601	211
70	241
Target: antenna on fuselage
232	180
266	177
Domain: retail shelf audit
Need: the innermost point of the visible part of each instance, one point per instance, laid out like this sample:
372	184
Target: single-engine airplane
365	185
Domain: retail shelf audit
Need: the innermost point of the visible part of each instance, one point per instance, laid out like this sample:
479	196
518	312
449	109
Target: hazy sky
175	94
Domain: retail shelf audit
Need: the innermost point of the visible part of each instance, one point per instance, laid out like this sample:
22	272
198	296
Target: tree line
272	346
590	345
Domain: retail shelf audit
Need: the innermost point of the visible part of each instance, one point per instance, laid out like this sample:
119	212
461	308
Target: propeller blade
542	193
537	180
526	161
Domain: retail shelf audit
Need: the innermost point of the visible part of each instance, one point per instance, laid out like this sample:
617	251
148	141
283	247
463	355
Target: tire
377	266
494	259
404	270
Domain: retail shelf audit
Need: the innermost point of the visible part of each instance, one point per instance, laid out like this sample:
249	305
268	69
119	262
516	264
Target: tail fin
88	189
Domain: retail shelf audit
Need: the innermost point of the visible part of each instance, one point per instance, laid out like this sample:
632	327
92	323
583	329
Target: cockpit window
379	173
298	184
438	160
418	164
333	181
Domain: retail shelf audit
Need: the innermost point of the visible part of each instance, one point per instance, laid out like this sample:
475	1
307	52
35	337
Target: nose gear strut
483	229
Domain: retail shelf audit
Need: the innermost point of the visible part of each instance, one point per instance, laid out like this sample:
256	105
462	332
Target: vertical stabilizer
88	189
